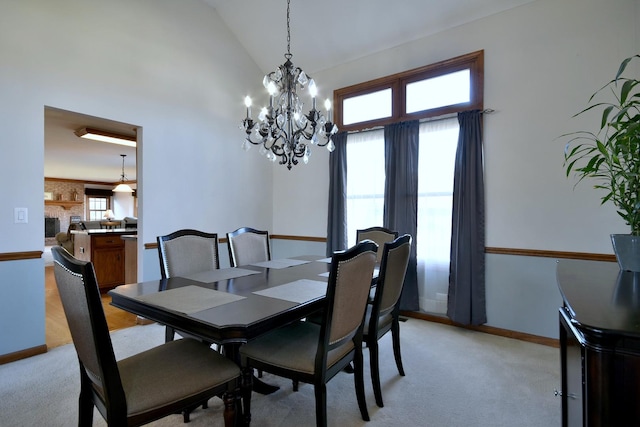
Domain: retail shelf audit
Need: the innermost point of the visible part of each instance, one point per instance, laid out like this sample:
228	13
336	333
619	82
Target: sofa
65	238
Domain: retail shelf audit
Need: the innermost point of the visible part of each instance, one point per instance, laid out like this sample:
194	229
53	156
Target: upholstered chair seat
295	348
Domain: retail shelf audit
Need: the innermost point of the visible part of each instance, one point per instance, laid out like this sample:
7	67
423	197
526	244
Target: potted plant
611	156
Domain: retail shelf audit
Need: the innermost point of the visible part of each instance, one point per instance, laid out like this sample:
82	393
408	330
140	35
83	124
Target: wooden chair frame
397	251
111	401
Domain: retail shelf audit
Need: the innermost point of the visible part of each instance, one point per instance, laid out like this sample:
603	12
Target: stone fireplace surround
63	190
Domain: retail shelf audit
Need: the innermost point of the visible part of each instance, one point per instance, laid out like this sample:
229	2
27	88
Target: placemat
189	299
211	276
280	263
300	291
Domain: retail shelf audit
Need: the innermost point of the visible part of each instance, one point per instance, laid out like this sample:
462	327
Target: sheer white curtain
438	142
365	198
365	181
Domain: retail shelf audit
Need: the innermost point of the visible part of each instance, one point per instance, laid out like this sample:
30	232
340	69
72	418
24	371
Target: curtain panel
337	216
466	300
401	196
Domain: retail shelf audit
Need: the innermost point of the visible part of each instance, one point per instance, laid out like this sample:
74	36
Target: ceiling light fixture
282	124
122	187
106	136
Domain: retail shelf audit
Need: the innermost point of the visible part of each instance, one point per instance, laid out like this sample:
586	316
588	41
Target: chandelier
123	187
283	132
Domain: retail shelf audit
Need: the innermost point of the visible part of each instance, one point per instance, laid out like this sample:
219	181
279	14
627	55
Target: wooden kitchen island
105	248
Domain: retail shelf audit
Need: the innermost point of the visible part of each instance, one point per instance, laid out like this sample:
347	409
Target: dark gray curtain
467	303
401	196
337	220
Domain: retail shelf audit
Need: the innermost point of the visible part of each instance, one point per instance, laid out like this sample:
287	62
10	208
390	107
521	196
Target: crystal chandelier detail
282	131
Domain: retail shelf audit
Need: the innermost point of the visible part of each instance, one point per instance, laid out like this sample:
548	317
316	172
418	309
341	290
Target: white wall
542	62
171	67
123	205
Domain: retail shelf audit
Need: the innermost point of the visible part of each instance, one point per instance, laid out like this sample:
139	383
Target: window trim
473	61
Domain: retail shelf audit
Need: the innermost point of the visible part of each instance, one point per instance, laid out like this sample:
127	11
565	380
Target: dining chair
248	245
144	387
383	313
314	353
380	235
185	252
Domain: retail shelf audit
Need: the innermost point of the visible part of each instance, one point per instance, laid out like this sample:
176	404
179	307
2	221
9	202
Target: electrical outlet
20	215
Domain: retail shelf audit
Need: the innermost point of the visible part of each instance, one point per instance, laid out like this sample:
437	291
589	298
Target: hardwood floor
57	332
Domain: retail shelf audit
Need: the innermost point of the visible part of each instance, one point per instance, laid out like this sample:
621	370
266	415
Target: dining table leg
232	351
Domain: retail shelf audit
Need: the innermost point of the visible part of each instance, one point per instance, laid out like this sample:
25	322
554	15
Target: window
97	203
97	206
437	92
434	92
370	106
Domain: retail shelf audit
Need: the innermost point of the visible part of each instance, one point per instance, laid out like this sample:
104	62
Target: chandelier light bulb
271	88
313	89
247	103
263	114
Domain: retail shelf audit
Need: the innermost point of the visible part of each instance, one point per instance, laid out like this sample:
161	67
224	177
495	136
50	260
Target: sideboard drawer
107	241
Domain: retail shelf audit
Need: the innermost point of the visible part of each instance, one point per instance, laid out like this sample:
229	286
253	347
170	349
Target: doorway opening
75	170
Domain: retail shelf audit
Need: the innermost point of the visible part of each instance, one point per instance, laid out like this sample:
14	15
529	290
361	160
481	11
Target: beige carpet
455	378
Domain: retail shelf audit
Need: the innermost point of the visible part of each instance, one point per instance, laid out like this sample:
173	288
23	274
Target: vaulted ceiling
331	32
323	34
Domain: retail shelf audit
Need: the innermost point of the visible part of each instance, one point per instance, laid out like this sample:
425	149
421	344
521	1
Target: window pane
362	108
365	181
436	159
448	89
97	208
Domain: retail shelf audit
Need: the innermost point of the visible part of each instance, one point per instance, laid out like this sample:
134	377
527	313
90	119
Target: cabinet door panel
573	393
109	266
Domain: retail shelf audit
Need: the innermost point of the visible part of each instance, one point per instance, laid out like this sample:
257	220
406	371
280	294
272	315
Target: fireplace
51	227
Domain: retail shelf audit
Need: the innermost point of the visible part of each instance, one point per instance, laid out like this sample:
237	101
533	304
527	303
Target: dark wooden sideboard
599	344
106	250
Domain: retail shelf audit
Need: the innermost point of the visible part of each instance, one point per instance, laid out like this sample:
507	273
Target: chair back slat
187	252
379	235
247	245
82	306
393	269
348	290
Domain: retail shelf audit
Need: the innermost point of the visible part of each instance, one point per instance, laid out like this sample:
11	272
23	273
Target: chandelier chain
288	55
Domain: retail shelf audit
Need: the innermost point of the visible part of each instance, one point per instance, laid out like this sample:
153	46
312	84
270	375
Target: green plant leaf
611	155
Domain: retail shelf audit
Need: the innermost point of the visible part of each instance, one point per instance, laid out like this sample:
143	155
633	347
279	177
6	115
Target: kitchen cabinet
106	250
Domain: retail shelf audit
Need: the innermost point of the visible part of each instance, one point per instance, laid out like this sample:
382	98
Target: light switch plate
20	215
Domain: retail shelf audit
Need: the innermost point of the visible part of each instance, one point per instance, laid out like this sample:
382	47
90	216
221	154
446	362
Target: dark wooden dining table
220	306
